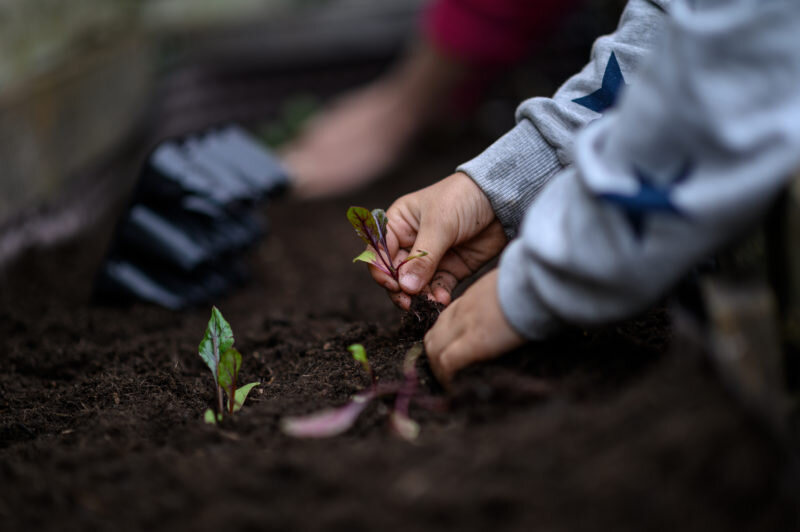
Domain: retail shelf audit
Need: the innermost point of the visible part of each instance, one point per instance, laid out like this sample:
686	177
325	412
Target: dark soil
420	317
621	428
101	412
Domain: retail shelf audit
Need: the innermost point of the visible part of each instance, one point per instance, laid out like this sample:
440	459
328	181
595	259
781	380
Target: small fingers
401	299
403	224
451	270
447	362
437	340
383	279
442	286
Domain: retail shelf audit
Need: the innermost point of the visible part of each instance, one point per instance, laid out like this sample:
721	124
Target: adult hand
364	132
452	221
470	330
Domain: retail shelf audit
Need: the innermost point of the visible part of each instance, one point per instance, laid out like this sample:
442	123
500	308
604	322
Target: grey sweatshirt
696	148
513	170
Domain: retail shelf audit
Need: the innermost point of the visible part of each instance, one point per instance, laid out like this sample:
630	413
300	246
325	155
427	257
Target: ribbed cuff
512	171
519	300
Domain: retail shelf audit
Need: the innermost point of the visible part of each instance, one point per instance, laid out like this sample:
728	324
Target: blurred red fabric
490	32
488	36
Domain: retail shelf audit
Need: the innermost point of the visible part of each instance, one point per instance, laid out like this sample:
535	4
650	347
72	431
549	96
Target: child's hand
472	329
454	222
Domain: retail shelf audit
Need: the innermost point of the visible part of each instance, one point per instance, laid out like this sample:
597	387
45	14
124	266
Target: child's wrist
481	206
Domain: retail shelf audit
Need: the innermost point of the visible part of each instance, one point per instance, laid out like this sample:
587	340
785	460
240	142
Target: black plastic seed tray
196	210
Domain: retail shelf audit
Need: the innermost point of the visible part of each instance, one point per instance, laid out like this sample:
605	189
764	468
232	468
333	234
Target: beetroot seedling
360	355
371	228
216	349
334	421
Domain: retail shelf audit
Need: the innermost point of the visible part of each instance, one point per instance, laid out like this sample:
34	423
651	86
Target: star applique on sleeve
651	198
606	96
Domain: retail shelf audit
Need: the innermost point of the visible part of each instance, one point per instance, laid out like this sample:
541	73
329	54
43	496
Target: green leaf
218	339
419	254
367	256
241	396
210	418
229	365
360	354
364	223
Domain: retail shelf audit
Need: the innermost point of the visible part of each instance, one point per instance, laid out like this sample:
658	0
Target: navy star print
650	198
606	96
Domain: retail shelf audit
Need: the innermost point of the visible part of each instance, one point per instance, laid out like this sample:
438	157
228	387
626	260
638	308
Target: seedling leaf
408	259
364	223
218	339
371	228
229	365
216	349
326	423
367	256
241	396
360	355
210	418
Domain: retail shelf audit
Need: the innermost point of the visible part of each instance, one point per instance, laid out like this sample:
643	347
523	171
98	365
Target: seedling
371	228
360	355
334	421
216	349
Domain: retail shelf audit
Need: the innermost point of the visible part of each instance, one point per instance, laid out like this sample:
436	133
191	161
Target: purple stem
385	246
407	389
381	268
401	264
389	267
389	270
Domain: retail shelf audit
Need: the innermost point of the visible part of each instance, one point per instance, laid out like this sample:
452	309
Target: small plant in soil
370	226
334	421
216	349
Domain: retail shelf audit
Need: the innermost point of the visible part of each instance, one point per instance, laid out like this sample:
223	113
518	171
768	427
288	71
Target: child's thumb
417	273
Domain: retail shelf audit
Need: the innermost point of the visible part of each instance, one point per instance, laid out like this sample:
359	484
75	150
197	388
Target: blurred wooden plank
745	342
65	119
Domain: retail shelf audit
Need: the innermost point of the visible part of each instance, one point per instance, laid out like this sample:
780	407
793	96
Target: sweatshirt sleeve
697	150
513	170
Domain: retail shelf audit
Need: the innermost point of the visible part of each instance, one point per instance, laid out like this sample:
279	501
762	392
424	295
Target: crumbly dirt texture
101	428
421	316
621	428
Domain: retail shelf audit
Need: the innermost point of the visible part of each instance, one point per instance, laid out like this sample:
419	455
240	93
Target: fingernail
411	282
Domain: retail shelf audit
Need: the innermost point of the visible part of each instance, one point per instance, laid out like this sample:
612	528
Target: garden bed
101	411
